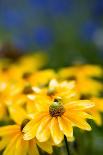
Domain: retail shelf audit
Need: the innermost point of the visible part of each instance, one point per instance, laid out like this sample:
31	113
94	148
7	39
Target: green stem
67	147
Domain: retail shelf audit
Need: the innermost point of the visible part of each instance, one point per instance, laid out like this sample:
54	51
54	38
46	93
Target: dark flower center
25	121
85	97
56	108
26	75
28	90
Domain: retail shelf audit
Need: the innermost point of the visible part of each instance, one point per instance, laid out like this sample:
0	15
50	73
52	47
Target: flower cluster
39	107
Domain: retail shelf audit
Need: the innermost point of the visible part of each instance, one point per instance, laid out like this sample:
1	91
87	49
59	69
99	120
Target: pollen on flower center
25	121
56	108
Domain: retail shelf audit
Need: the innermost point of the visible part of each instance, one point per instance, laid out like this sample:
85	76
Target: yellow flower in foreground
12	137
58	115
83	74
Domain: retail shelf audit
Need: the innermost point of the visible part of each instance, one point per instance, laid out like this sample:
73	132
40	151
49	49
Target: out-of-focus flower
12	137
58	114
42	78
96	110
27	64
83	75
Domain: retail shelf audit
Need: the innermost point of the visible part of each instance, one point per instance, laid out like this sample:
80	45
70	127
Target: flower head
12	136
83	75
58	115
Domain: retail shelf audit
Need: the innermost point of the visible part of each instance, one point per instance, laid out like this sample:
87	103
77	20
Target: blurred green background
68	30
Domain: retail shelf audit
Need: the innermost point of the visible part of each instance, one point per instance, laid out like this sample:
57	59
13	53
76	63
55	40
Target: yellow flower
41	78
25	65
17	92
96	110
47	94
83	74
60	112
32	62
12	137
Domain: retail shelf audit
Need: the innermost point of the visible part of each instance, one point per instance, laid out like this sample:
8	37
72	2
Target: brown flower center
26	75
25	121
56	109
28	90
85	97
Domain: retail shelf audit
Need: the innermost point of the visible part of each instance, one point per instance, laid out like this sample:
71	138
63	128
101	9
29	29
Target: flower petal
4	141
57	135
65	126
10	149
10	129
21	147
31	128
17	113
33	149
43	132
96	116
79	105
46	146
78	120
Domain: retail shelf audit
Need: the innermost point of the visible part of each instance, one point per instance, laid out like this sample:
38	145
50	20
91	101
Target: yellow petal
78	121
31	128
56	134
17	113
53	84
96	116
31	133
43	132
36	118
21	147
46	146
33	149
70	139
93	70
10	129
98	103
67	72
68	85
4	141
10	149
65	126
79	105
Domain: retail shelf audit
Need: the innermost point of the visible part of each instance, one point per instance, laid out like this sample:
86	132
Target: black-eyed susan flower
83	75
59	113
12	141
